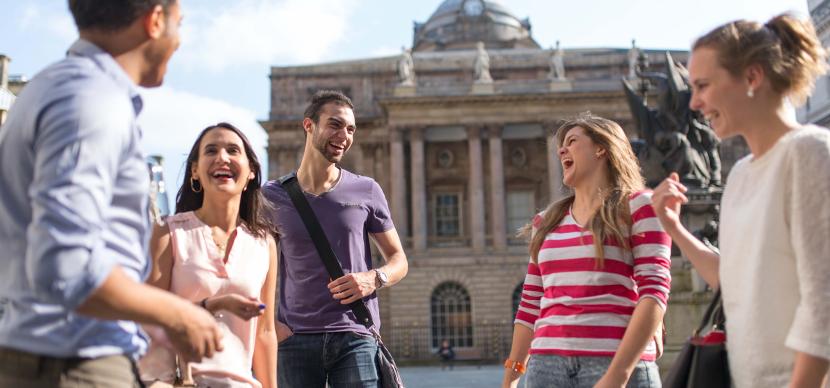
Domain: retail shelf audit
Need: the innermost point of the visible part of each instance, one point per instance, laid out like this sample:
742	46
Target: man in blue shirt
73	210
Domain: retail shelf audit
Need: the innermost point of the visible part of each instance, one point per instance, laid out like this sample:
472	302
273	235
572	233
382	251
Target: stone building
817	108
6	96
10	86
465	160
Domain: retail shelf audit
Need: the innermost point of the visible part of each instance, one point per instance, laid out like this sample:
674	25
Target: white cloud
55	21
262	32
172	119
28	15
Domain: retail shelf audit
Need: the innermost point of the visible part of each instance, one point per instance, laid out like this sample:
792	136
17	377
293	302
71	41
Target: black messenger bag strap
321	243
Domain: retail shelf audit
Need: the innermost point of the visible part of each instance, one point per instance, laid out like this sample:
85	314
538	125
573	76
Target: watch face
473	7
380	278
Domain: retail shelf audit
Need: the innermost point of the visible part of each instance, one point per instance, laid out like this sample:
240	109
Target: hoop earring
195	183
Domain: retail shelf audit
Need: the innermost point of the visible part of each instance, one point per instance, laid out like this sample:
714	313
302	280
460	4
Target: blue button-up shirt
73	204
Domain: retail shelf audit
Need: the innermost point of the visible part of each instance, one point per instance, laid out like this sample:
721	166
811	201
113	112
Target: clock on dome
473	7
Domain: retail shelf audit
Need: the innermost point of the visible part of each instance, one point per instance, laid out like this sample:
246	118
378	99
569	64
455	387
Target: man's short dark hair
111	15
323	97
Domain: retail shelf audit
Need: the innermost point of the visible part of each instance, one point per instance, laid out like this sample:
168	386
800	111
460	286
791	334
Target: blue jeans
583	372
344	359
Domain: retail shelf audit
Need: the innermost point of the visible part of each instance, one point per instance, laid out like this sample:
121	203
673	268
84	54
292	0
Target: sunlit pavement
462	376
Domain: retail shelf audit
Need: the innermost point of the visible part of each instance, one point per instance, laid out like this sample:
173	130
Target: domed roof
460	24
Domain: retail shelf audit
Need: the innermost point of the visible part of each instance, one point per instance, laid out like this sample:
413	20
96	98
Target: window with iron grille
451	315
447	215
520	210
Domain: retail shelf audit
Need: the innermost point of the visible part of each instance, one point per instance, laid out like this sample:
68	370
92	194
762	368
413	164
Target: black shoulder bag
388	371
702	362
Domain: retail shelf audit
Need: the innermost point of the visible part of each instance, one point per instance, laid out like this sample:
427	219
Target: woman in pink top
217	251
598	279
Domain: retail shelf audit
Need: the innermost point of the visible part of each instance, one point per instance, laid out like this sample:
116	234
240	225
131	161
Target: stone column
498	213
380	167
476	189
274	164
287	159
356	152
557	190
419	196
298	157
398	175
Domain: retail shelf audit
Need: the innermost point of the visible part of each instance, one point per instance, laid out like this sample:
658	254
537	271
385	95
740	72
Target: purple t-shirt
353	208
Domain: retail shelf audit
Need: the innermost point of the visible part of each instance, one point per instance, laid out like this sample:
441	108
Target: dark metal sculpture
673	138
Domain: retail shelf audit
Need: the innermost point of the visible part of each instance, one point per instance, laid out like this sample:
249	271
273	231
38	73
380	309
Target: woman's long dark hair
252	206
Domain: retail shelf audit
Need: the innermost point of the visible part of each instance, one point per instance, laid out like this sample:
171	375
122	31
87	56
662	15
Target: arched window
517	298
451	315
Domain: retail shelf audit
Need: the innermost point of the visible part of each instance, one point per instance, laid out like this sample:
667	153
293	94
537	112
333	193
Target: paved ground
460	377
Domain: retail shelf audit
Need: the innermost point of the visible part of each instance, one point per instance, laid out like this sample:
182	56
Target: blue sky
220	73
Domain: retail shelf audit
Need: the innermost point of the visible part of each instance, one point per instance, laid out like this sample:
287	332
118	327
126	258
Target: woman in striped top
591	306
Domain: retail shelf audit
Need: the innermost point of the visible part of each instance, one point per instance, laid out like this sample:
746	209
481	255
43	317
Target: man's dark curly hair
323	97
111	15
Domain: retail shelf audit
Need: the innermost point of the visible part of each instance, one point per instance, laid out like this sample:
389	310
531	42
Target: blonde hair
612	219
786	48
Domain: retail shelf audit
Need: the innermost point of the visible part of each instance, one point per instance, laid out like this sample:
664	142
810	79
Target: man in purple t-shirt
320	339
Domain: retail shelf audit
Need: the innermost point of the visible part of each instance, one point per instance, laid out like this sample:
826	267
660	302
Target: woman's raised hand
667	199
239	305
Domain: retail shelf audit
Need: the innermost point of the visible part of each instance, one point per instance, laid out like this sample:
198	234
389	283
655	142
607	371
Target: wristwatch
381	280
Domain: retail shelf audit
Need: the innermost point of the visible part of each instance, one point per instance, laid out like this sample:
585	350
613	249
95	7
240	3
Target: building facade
10	86
459	134
6	96
816	109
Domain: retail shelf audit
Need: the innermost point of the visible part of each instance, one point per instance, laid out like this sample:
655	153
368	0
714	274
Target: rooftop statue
406	68
557	64
633	55
673	138
481	65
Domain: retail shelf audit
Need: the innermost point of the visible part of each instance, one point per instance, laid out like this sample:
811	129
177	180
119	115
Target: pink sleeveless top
199	271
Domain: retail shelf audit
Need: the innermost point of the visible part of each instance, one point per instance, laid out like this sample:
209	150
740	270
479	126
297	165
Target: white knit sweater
775	258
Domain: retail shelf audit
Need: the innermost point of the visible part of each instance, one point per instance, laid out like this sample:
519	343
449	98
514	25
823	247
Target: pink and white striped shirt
576	309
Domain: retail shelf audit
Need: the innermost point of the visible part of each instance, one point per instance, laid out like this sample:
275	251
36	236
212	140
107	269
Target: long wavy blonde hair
612	219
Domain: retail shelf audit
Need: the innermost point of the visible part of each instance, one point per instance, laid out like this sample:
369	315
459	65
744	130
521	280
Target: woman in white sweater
774	265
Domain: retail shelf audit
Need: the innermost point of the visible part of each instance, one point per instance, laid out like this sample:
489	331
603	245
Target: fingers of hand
669	194
345	285
341	280
218	339
671	181
245	307
184	348
213	342
675	195
679	186
197	350
251	304
249	312
208	336
350	288
345	294
351	299
208	347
